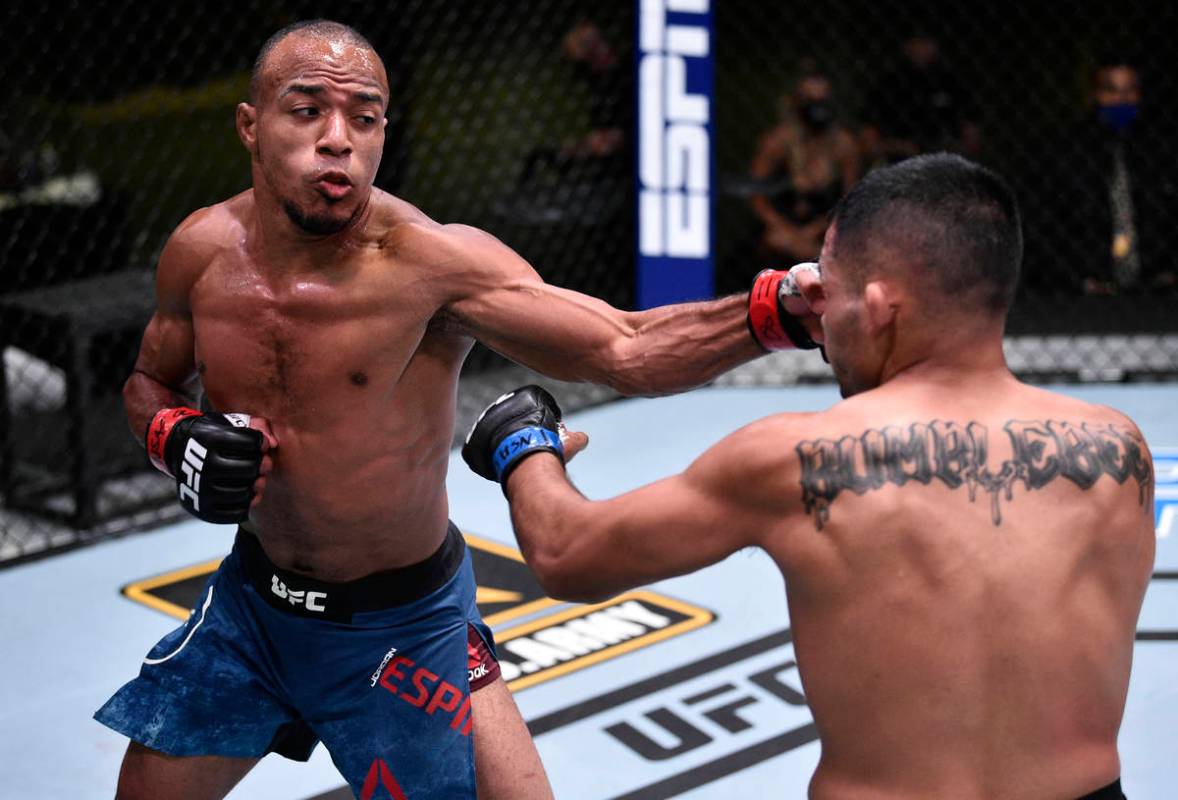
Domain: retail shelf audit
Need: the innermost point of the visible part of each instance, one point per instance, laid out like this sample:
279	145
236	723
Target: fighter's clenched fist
779	314
518	424
216	459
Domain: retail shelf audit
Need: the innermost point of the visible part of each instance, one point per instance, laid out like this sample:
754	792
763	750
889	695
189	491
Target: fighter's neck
273	234
953	375
950	360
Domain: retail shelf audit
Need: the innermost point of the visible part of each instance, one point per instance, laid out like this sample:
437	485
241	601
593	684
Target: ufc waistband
306	597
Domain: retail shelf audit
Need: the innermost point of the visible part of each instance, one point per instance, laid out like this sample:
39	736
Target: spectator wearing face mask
806	163
1112	191
600	149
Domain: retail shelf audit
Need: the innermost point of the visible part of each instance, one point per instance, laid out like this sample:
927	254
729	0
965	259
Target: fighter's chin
847	390
851	385
318	223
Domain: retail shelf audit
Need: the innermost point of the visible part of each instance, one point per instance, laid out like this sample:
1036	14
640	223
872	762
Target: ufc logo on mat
194	462
312	601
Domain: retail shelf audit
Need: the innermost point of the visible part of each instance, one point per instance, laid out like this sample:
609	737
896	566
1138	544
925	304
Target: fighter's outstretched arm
583	550
500	300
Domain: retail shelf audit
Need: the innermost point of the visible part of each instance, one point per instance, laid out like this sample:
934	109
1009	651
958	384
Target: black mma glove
214	458
770	322
515	426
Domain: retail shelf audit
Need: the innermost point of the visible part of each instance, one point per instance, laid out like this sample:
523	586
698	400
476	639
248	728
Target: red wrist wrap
158	431
764	322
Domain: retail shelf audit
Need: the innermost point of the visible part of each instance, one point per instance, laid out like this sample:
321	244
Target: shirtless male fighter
328	320
965	556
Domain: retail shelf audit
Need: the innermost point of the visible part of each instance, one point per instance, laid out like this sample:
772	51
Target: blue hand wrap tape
523	441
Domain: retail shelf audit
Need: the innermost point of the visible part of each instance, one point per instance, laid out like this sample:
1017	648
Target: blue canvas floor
638	720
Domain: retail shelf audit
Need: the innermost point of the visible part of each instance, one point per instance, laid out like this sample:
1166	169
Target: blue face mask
1117	117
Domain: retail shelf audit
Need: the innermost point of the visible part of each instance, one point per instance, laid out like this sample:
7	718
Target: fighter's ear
881	303
247	127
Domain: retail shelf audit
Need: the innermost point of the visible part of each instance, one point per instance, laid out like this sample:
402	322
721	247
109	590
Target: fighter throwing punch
330	320
965	557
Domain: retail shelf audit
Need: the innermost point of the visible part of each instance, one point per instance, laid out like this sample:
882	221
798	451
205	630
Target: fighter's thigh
506	762
148	773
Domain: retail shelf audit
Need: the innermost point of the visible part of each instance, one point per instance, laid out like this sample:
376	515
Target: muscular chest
302	341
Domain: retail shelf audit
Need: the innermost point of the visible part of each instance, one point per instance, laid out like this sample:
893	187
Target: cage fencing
519	118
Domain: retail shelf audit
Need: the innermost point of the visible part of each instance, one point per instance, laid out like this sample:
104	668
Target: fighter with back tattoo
965	556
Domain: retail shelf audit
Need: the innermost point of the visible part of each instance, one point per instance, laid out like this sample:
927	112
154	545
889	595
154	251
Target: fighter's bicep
503	302
745	477
676	525
476	271
166	353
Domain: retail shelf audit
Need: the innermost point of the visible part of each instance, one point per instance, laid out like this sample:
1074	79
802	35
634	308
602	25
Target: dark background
136	100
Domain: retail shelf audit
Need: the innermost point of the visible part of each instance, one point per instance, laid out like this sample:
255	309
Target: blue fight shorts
380	669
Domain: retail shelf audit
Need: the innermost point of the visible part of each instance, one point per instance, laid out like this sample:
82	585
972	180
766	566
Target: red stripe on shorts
481	666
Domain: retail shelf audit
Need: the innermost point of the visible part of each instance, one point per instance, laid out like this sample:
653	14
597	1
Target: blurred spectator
1110	198
805	163
920	106
602	147
604	75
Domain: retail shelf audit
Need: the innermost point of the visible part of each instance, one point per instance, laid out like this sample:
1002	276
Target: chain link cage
518	118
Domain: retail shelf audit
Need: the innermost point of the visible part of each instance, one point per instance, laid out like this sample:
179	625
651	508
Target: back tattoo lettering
956	455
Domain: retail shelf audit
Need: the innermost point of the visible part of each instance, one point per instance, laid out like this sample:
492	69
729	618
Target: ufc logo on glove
194	461
220	448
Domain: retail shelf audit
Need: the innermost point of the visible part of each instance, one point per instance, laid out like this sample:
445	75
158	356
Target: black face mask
817	116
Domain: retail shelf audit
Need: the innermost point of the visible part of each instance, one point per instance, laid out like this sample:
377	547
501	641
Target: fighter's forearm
551	525
674	348
143	396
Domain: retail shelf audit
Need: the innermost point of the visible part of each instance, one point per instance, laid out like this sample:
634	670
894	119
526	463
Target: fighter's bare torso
348	346
348	352
963	559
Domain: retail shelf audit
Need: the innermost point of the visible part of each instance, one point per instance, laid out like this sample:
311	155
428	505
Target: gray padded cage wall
119	122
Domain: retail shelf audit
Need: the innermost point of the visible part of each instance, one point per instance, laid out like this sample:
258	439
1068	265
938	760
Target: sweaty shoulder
461	257
195	243
208	231
438	245
755	464
1047	405
393	217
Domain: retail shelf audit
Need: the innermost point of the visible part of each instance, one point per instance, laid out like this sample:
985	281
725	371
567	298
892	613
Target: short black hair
323	28
954	221
1117	54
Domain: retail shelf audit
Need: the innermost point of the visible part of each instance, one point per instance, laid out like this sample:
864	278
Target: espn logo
308	600
675	151
194	462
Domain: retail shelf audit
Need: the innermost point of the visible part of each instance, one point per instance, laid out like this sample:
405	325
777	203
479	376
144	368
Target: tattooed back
964	570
